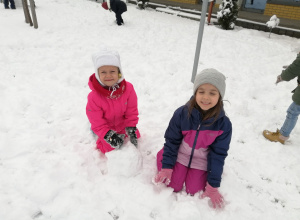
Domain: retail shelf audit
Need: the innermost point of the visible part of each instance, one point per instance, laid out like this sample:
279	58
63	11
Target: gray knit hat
213	77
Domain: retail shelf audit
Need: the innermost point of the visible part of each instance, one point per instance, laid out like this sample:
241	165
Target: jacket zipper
194	145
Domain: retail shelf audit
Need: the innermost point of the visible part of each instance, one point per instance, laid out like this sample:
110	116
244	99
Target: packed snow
49	166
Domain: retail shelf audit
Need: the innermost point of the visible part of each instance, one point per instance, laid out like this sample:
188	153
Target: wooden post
210	11
26	12
32	7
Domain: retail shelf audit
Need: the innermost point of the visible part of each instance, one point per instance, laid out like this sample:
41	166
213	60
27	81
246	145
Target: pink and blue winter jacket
196	144
111	113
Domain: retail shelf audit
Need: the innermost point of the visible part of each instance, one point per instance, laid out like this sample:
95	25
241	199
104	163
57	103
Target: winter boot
274	136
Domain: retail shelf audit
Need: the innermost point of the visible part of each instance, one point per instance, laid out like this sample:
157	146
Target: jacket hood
106	57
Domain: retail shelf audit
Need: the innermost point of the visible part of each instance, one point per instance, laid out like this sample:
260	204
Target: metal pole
200	34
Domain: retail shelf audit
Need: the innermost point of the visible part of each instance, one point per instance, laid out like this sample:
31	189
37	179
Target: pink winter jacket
107	112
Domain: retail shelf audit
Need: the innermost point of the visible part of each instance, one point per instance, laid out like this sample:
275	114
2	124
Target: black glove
115	140
132	135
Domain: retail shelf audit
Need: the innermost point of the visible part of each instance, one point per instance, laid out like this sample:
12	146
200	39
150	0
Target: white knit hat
213	77
106	57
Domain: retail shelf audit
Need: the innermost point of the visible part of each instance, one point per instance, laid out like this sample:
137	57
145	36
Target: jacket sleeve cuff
167	166
215	185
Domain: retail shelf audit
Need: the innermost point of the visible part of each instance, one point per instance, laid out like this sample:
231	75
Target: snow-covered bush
228	14
274	22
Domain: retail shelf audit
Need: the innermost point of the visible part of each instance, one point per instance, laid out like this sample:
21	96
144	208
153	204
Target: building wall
283	11
187	1
218	2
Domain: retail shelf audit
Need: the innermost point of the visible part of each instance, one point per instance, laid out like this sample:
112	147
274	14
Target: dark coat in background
118	7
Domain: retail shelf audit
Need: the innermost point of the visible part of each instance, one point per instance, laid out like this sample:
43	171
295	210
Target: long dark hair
211	113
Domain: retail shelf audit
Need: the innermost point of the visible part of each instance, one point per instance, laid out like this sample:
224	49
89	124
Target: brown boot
274	136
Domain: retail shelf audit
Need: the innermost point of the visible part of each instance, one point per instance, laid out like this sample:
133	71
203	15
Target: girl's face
109	75
207	96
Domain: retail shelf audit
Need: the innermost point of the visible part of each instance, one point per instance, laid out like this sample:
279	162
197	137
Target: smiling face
109	75
207	96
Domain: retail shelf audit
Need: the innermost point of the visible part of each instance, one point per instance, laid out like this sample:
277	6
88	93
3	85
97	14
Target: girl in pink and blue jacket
197	140
112	104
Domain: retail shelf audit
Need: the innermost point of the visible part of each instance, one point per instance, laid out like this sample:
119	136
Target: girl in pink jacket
112	103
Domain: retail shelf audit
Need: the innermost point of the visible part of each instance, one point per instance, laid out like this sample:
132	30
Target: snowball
126	161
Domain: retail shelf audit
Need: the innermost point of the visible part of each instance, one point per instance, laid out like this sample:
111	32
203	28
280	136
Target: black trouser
12	3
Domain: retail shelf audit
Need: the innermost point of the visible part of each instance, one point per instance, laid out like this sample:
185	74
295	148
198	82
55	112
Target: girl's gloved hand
164	176
132	135
115	140
215	197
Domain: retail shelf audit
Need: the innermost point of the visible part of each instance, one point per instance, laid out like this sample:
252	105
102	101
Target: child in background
291	72
197	140
118	7
112	104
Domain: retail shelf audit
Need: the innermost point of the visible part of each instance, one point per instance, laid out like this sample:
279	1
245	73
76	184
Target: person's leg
195	180
291	120
178	177
283	134
159	158
12	4
118	18
6	4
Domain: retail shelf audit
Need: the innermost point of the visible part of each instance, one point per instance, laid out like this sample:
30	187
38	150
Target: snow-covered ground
49	168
